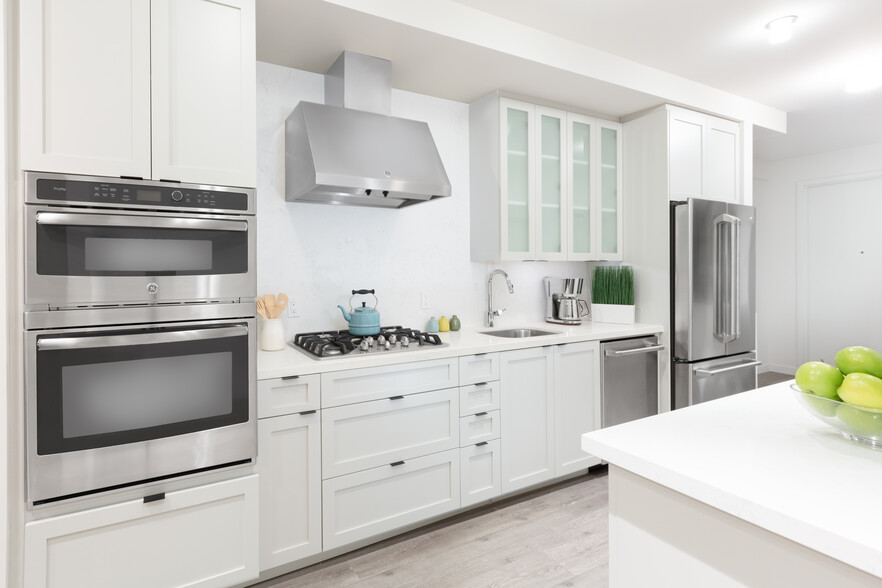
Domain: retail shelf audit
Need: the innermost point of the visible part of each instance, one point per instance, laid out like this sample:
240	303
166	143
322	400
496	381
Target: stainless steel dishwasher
629	374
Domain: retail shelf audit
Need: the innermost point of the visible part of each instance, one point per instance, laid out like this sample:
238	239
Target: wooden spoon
261	310
269	301
281	303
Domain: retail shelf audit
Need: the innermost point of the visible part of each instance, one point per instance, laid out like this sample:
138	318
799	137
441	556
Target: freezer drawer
629	372
708	380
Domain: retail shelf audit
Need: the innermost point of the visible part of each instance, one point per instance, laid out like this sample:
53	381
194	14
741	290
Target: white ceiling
720	44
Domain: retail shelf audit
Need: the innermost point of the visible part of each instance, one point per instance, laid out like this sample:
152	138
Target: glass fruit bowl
863	425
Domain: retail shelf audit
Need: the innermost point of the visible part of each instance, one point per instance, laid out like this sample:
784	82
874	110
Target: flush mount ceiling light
781	29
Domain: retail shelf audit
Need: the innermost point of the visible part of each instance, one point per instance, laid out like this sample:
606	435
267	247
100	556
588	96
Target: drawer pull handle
154	497
396	397
481	384
305	412
285	378
481	444
480	414
480	354
396	463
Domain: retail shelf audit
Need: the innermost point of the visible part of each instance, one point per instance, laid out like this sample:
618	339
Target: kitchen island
748	490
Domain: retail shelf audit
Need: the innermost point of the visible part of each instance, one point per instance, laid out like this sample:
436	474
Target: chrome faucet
491	314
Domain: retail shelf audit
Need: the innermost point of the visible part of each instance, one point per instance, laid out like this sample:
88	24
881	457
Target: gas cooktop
333	344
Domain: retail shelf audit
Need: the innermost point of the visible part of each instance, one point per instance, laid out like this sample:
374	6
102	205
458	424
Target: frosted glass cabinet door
609	220
516	175
580	187
551	213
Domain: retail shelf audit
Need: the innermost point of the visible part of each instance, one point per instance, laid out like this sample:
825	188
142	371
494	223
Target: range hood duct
351	151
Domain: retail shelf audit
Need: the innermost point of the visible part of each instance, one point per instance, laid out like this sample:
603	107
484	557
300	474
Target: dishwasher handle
635	351
703	372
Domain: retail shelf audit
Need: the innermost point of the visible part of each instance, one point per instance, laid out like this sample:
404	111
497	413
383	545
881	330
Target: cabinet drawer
480	472
201	537
479	427
367	503
280	396
474	369
478	398
369	434
359	385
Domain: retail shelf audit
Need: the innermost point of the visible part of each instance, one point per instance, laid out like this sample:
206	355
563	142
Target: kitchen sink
519	333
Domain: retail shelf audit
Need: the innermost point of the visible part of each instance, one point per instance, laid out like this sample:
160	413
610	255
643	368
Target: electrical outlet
424	301
292	308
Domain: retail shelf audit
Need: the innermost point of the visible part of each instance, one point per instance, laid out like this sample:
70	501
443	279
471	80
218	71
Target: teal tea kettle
363	320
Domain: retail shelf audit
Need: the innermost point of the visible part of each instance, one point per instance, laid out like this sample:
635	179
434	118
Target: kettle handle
585	302
354	292
362	292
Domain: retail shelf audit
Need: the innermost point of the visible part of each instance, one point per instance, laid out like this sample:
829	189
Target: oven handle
53	344
115	220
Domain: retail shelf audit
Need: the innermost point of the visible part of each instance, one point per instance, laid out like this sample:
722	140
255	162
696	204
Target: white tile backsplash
318	253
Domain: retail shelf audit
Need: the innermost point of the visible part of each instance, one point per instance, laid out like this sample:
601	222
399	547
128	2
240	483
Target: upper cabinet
545	184
166	89
703	156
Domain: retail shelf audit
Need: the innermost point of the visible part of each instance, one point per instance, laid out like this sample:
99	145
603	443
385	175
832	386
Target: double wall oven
139	332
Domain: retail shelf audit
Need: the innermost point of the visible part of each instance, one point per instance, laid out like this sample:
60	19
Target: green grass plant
612	285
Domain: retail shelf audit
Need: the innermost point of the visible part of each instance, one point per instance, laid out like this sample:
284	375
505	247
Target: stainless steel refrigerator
713	300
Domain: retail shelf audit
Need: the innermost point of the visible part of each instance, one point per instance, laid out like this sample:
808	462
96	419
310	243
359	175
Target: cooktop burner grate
329	344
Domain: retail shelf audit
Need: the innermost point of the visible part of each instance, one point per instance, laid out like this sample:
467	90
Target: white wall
318	253
775	189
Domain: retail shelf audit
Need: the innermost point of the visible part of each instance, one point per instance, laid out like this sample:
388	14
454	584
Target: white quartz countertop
762	457
292	362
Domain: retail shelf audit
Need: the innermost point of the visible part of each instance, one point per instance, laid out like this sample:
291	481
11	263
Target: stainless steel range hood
351	151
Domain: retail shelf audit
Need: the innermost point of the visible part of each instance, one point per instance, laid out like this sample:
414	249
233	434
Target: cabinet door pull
480	414
154	497
285	378
481	444
480	354
305	412
396	463
396	397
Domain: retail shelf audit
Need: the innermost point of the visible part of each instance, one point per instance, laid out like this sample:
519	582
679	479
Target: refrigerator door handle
747	364
727	282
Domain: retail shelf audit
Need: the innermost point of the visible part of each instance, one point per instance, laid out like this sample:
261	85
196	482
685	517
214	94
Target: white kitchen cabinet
479	368
202	537
85	86
546	184
704	156
359	385
287	395
367	434
576	404
478	398
370	502
480	472
164	90
476	428
289	465
526	379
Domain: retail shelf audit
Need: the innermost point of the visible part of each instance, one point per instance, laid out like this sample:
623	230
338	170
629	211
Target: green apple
862	390
866	423
819	378
859	359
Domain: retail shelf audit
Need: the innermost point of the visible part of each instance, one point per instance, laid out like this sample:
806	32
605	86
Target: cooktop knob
364	345
388	346
393	338
370	341
405	341
381	340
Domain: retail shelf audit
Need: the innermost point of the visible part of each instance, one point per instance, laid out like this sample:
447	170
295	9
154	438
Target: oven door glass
102	389
83	244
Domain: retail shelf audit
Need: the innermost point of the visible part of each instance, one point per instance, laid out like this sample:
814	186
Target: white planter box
613	313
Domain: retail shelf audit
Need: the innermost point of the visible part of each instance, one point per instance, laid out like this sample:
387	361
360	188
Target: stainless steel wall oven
139	331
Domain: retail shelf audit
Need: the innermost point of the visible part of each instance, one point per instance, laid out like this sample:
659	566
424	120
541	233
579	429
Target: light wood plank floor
769	378
555	536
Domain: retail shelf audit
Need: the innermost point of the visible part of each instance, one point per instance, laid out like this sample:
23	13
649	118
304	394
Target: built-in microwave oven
139	332
94	241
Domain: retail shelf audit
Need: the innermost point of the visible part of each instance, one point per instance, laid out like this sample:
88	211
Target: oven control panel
107	191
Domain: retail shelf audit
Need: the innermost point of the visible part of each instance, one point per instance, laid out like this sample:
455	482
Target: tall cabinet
159	89
546	184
